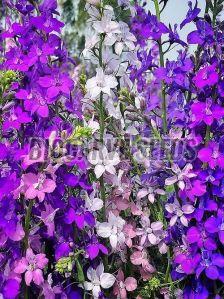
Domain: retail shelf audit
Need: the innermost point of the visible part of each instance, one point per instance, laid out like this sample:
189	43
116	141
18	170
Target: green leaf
80	274
170	189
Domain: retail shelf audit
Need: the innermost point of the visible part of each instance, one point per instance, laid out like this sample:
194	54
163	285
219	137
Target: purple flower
46	23
34	102
215	225
11	289
191	14
94	247
76	213
200	237
206	76
206	112
16	118
57	84
203	34
212	264
212	155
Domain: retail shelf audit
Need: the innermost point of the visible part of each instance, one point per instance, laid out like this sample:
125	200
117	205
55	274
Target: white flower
103	161
109	27
100	83
91	41
125	38
150	193
112	230
98	279
92	124
93	203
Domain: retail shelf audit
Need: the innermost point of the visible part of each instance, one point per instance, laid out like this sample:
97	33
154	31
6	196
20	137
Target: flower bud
93	2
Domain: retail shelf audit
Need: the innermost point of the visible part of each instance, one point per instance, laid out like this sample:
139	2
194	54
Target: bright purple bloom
59	83
206	76
191	14
206	112
16	118
203	34
212	155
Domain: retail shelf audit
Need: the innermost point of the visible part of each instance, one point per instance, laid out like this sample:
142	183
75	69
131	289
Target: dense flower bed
111	177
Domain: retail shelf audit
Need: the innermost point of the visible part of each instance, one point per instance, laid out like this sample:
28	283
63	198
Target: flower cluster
112	173
46	226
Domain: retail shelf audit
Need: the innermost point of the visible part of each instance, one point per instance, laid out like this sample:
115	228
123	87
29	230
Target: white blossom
98	279
112	230
100	83
103	161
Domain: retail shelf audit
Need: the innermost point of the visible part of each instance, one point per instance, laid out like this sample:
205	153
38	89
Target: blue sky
175	12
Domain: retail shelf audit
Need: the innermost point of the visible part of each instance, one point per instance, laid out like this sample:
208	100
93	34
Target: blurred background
73	14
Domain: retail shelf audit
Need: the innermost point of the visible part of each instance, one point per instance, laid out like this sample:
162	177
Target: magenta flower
206	76
37	185
212	155
32	266
206	112
57	84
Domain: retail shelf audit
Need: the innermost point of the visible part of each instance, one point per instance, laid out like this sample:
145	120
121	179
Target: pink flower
130	233
123	285
37	185
32	266
140	258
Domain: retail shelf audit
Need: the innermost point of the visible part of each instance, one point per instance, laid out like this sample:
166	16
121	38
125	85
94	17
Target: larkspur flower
179	212
101	83
32	265
103	161
98	279
112	230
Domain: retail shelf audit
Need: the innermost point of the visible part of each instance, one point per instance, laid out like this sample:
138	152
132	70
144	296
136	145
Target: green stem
102	129
214	12
161	59
27	225
207	135
26	239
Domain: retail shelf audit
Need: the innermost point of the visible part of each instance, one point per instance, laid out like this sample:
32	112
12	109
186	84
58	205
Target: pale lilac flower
109	28
93	203
179	212
93	2
98	279
103	161
180	175
32	266
112	230
125	38
100	83
150	193
149	231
